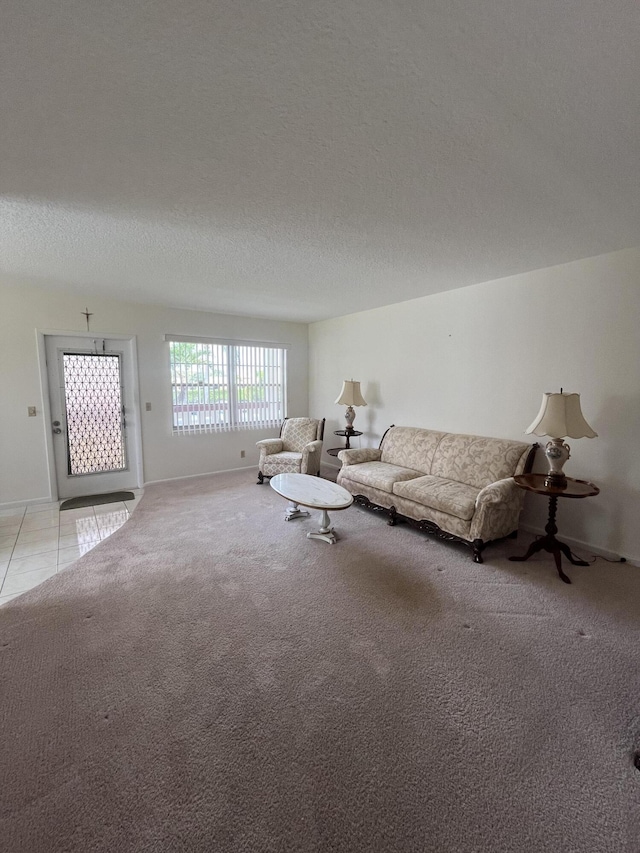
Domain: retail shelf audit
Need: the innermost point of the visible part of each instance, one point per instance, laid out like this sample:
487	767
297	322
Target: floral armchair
297	451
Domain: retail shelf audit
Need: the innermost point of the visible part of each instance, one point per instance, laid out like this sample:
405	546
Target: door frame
135	436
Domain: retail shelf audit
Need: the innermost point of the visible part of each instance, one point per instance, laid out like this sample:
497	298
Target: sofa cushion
441	494
477	461
411	447
380	475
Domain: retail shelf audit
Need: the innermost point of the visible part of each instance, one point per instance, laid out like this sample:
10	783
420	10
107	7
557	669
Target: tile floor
38	540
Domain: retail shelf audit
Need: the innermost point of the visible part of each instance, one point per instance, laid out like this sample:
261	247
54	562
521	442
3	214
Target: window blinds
219	386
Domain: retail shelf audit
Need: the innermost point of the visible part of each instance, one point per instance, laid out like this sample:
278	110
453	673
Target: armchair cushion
298	432
286	462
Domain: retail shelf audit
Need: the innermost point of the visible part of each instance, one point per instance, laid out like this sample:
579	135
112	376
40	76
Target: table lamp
560	416
350	396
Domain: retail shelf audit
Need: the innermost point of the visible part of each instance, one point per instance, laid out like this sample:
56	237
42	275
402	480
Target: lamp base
349	417
557	453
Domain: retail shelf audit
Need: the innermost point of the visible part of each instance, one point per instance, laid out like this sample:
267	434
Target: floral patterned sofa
458	487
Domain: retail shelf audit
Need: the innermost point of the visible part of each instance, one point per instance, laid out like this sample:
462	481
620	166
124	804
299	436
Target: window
218	386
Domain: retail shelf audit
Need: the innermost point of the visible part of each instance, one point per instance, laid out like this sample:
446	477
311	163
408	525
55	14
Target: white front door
93	415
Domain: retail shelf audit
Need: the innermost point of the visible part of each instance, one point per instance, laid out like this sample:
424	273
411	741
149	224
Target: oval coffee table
312	492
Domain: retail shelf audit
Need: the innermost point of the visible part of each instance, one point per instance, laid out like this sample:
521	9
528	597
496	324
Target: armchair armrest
311	453
360	454
267	446
311	457
312	447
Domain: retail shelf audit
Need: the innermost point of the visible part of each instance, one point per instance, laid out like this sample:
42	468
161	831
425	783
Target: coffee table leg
326	531
294	511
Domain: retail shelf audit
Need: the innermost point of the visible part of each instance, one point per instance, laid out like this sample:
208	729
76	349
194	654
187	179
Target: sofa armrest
498	508
269	445
498	492
360	454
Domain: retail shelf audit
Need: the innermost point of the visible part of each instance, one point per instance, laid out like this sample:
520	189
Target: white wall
25	308
478	359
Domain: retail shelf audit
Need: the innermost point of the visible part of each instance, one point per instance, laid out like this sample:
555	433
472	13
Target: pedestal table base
326	531
551	544
294	511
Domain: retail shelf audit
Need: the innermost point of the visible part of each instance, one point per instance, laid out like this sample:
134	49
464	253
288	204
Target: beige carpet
207	679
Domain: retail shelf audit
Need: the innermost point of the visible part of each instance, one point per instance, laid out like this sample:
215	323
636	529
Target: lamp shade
350	394
560	415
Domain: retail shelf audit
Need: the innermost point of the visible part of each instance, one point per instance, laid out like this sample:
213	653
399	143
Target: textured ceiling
302	160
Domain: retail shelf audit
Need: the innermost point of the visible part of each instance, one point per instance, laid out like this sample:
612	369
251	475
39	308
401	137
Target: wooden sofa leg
260	478
393	516
478	546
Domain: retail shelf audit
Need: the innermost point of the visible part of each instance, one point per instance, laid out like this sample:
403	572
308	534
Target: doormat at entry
93	500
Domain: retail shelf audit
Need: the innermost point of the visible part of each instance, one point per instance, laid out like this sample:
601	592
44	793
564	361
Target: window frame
238	362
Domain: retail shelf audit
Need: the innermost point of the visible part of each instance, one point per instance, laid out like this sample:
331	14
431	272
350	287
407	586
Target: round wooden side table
347	434
573	489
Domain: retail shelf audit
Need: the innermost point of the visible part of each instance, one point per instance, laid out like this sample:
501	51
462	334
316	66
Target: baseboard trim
30	502
206	474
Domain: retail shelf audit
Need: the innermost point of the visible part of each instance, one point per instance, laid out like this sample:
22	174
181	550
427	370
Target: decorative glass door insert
94	413
95	420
